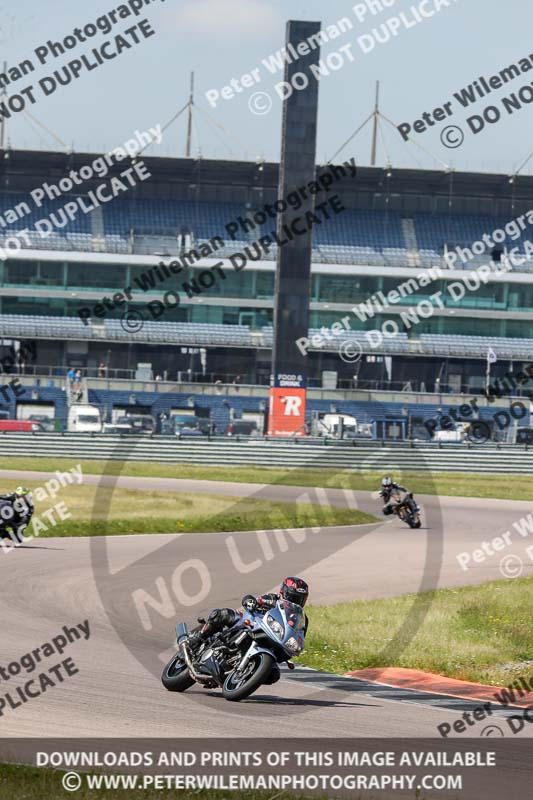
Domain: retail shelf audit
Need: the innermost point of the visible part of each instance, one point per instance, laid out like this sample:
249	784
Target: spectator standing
71	376
77	386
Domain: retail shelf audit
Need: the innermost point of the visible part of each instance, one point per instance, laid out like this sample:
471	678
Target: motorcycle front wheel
237	685
176	676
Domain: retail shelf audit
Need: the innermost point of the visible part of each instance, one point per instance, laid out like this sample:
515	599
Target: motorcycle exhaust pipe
182	631
184	650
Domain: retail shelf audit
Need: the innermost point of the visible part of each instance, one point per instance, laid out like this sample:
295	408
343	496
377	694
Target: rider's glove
249	602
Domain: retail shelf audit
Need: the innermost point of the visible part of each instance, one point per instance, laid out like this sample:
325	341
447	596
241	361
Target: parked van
138	423
19	425
243	427
335	424
189	425
84	418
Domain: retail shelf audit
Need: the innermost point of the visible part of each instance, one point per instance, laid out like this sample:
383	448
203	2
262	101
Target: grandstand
396	223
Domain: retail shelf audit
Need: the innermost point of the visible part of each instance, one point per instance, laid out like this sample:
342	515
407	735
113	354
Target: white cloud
230	19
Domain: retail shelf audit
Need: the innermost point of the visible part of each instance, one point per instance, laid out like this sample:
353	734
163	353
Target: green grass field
107	511
453	484
476	633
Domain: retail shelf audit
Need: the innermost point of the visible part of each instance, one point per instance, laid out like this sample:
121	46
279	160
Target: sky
419	69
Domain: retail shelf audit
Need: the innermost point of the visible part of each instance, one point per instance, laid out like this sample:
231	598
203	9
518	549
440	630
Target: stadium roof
22	170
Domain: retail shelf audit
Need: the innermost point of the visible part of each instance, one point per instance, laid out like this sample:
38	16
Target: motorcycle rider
294	590
16	510
388	488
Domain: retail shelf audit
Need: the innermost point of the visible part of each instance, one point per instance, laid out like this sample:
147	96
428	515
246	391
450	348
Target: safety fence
256	451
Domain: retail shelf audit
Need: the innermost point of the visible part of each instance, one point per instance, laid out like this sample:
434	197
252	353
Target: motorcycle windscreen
295	615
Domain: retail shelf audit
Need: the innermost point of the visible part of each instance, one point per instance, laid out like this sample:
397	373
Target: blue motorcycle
241	658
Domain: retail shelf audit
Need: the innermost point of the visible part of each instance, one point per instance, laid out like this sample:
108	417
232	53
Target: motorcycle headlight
275	627
293	645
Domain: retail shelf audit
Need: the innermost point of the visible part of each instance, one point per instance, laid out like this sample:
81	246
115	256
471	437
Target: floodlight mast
189	121
375	128
3	123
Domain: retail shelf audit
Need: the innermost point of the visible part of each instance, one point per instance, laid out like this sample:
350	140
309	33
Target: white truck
84	418
330	425
457	435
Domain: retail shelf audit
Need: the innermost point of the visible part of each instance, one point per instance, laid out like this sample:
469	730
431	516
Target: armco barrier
485	458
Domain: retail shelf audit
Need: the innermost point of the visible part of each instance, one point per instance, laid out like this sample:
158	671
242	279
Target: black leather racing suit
389	507
15	513
221	618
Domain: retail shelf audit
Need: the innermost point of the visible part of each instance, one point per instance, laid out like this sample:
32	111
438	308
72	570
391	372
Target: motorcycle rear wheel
176	676
237	688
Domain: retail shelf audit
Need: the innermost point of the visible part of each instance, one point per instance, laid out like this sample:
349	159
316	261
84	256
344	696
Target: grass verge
453	484
107	511
474	633
30	783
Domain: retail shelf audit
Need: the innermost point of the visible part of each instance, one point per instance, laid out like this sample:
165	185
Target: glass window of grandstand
144	278
518	329
96	276
234	284
343	288
319	319
465	326
170	314
409	290
264	285
254	318
489	296
33	273
36	306
220	315
520	297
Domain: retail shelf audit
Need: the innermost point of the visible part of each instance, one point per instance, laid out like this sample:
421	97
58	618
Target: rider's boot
217	620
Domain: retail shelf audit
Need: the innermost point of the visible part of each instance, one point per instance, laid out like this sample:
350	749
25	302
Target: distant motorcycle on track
241	658
15	515
406	509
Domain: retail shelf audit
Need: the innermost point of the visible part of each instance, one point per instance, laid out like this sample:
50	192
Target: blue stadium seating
370	237
158	216
192	333
80	224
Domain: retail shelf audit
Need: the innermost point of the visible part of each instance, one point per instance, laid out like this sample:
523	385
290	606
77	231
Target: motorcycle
13	526
241	658
13	533
406	509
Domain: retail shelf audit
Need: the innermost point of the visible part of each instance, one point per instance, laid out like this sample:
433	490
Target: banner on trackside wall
286	416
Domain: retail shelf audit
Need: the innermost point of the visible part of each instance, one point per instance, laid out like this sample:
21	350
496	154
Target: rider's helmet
386	482
23	502
294	590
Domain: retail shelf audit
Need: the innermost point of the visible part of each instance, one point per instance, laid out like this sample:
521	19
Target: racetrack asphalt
133	589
